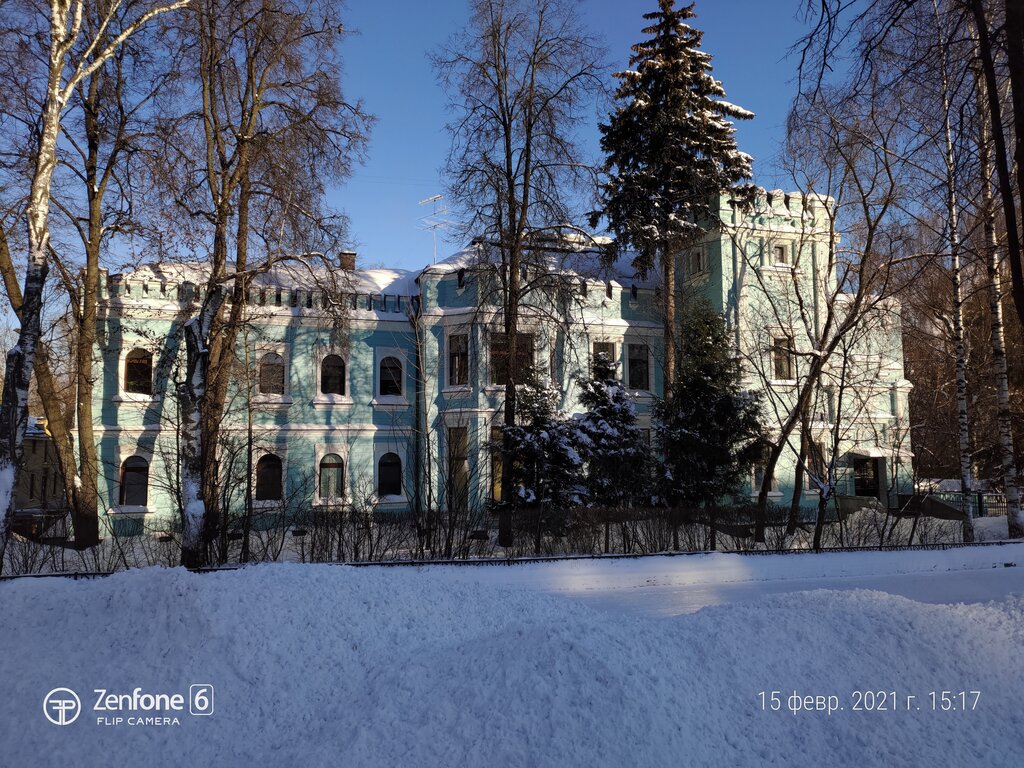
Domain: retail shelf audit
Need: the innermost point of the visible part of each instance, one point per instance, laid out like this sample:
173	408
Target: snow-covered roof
289	274
584	263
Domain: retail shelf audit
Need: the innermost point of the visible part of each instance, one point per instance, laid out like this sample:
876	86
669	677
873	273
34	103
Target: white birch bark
62	78
953	227
193	457
1014	516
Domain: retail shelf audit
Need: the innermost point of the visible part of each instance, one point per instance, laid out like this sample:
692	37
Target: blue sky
386	65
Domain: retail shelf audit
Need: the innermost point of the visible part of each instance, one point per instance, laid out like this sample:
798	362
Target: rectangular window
606	348
696	262
781	256
495	448
783	363
458	360
458	469
639	368
758	478
523	364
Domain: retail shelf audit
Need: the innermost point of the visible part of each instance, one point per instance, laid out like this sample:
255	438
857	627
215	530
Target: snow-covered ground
677	584
595	663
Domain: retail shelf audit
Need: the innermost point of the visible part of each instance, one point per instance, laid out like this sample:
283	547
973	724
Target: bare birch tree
65	70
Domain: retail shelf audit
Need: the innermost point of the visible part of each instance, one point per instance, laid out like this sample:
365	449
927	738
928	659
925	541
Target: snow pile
320	665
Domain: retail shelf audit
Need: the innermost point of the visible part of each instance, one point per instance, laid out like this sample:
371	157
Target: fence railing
507	561
980	504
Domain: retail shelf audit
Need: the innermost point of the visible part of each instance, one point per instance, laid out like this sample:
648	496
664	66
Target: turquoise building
383	389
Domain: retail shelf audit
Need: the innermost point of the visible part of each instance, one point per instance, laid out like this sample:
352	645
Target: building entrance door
867	477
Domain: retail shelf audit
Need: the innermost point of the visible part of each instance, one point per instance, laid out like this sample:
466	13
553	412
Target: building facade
383	389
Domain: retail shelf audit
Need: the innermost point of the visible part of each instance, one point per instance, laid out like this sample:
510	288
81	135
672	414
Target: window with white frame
134	491
389	475
605	349
332	375
332	478
390	378
458	360
758	473
457	490
696	262
500	353
783	358
780	254
271	374
638	366
138	372
269	478
495	449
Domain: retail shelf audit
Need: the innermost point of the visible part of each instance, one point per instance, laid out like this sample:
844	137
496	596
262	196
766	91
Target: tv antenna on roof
434	221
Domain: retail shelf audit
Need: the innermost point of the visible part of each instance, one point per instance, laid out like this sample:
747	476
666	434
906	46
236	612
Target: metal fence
500	561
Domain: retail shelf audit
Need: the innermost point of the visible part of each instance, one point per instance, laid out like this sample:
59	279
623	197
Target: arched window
332	375
391	377
271	374
138	372
268	478
134	482
332	477
389	475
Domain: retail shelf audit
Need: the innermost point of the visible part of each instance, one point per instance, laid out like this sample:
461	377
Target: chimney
347	260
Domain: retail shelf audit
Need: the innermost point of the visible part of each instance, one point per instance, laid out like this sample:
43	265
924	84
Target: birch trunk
21	357
65	28
1014	518
953	226
195	451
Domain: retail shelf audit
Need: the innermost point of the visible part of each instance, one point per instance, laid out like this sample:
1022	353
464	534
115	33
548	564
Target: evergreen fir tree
711	433
546	467
612	445
671	151
609	439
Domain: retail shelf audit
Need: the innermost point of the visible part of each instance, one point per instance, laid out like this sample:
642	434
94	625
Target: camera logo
200	699
62	706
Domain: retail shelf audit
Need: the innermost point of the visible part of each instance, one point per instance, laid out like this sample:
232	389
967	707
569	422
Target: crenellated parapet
779	210
284	290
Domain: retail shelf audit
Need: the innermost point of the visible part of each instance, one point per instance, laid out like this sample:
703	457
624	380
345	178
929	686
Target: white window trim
264	399
384	401
133	509
755	487
448	333
787	249
379	449
650	366
620	346
703	263
258	452
528	330
471	425
123	395
318	455
320	399
773	333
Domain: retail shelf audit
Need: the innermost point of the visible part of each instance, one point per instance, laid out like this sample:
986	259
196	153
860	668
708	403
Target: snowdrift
336	666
